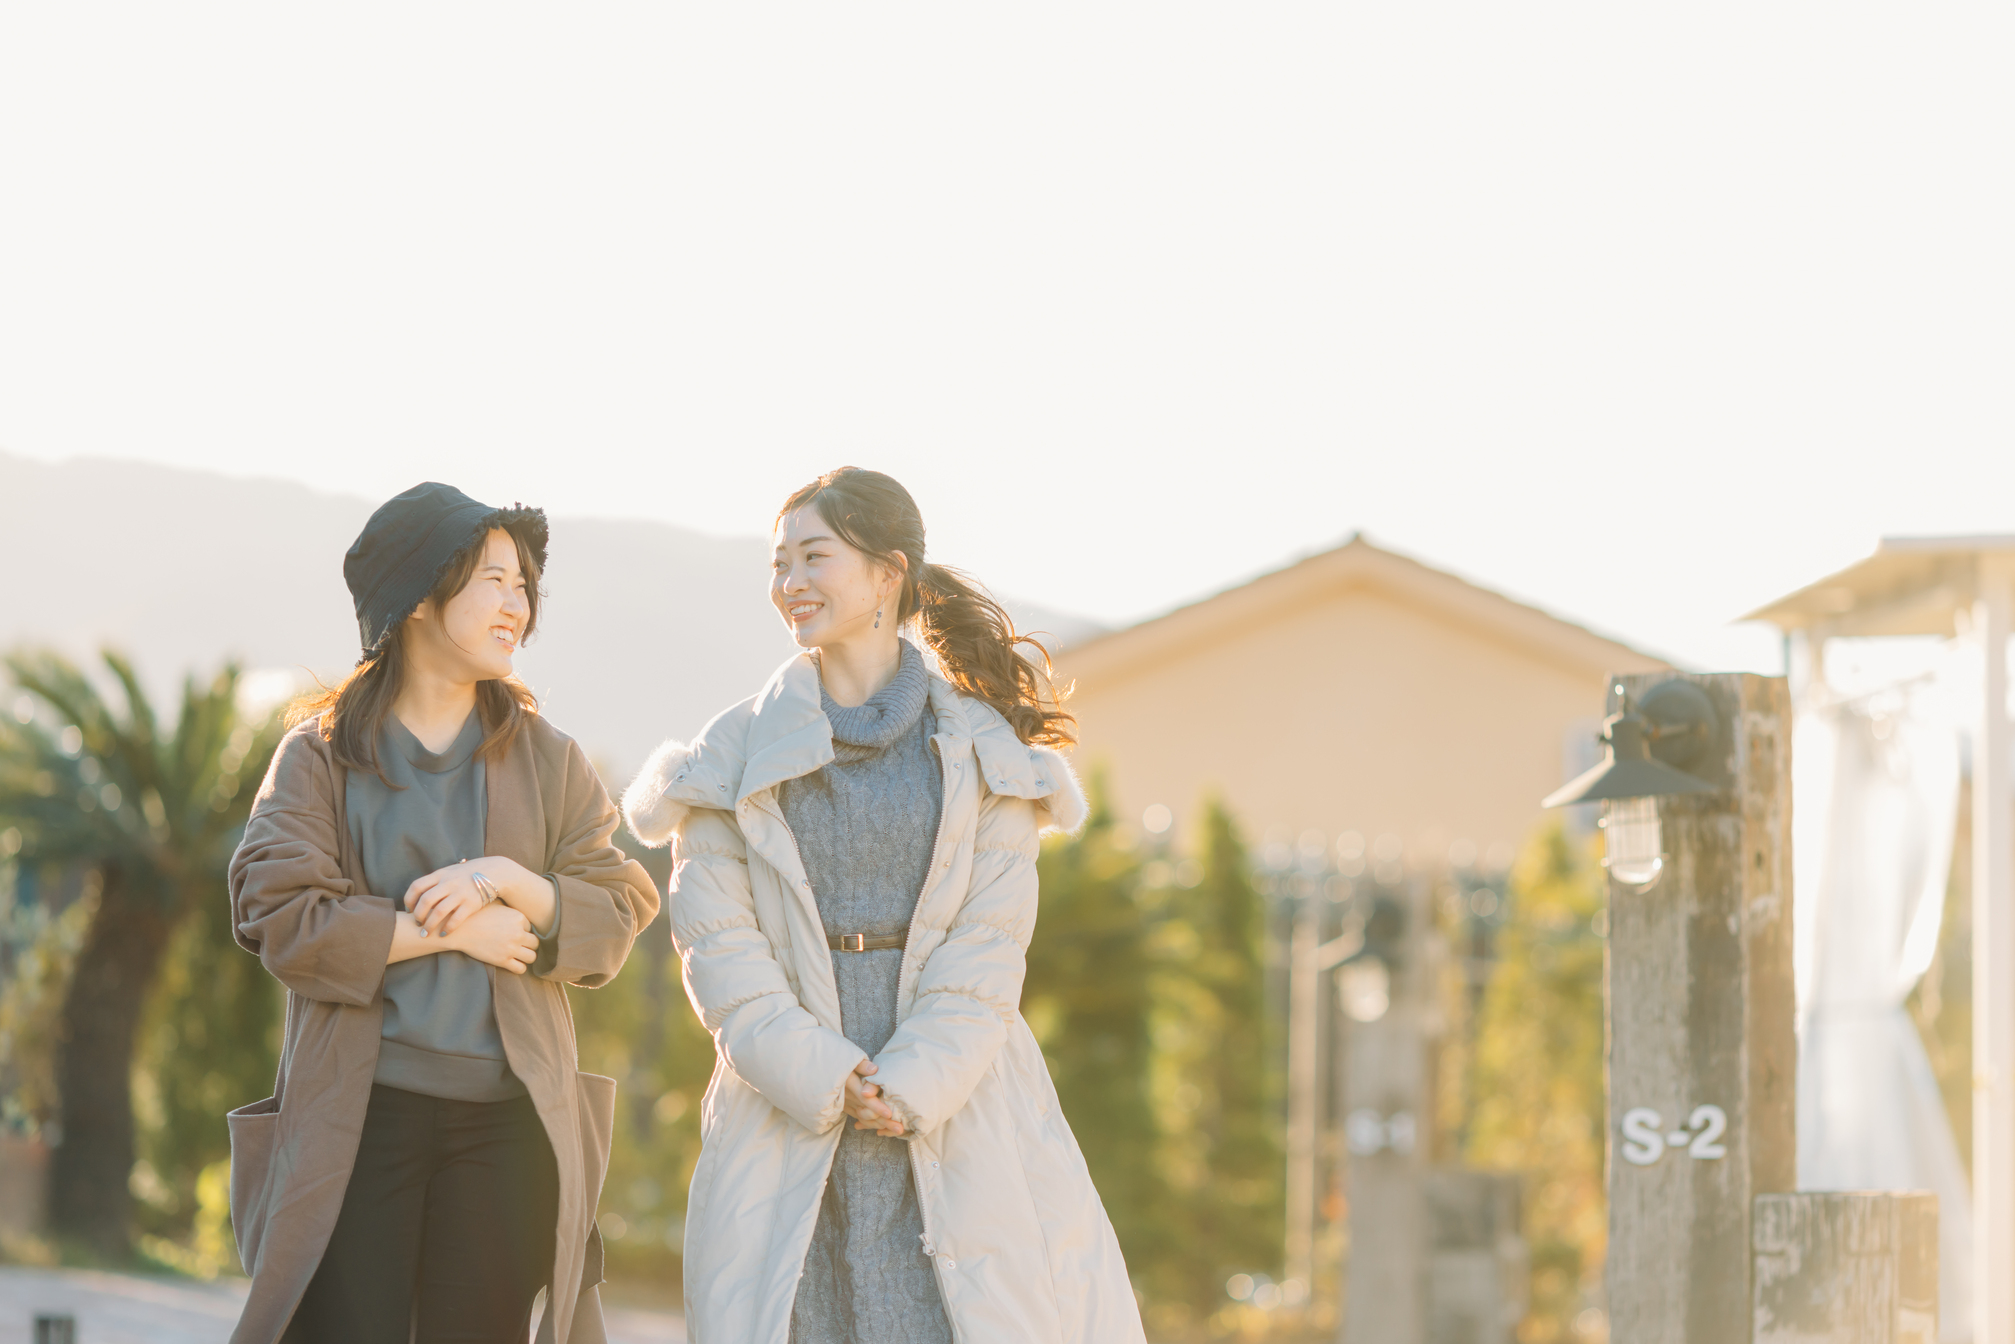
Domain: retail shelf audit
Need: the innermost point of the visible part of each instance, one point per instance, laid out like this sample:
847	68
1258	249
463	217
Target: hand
497	935
865	1105
442	899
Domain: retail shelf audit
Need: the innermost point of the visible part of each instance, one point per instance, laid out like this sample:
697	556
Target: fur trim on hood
648	806
673	782
1065	801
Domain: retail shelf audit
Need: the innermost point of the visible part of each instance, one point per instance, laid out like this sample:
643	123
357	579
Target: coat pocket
255	1132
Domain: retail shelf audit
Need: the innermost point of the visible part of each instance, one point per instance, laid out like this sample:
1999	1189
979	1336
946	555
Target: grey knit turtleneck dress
866	824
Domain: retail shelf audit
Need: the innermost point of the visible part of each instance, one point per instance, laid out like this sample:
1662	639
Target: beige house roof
1355	690
1359	563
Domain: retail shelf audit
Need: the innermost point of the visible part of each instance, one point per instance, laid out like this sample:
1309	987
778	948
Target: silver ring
485	888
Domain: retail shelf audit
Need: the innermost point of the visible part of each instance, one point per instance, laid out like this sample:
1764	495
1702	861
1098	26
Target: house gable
1285	593
1358	690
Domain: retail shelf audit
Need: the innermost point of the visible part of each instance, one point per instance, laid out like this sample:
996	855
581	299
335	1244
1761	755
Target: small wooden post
1435	1251
1388	1100
1477	1265
1702	1056
1856	1268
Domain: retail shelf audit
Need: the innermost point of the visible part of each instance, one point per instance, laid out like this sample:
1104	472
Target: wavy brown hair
353	710
972	635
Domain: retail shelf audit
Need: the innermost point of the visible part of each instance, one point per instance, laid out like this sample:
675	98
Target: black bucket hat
401	553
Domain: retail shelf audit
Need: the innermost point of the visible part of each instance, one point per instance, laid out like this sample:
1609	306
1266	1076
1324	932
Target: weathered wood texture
1856	1268
1700	1008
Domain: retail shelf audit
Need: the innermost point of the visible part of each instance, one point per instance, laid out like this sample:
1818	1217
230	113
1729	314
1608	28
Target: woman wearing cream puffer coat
1018	1244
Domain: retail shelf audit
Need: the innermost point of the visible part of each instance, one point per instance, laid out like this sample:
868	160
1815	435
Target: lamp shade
1628	771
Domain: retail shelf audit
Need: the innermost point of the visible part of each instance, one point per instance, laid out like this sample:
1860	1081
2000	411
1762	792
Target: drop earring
878	618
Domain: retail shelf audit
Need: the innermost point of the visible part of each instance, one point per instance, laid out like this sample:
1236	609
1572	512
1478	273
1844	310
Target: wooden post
1477	1265
1993	971
1388	1096
1856	1268
1385	1131
1702	1054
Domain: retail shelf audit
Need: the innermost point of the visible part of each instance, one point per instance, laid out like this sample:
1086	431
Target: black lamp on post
1649	745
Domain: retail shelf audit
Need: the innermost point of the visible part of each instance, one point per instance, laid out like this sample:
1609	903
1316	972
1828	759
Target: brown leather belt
863	942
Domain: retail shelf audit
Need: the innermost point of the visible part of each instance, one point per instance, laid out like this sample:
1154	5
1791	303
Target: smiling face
474	634
827	591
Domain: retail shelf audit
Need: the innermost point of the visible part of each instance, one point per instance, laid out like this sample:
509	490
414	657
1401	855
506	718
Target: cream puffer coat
1022	1247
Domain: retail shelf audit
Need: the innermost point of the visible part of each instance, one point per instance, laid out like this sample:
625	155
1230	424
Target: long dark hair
972	635
353	710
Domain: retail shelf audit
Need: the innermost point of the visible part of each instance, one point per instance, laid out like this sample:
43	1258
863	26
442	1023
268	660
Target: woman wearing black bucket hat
427	864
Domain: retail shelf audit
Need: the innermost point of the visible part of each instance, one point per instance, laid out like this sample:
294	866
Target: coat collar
782	734
789	736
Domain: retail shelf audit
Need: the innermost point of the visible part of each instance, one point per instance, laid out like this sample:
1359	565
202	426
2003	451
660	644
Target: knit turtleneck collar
859	731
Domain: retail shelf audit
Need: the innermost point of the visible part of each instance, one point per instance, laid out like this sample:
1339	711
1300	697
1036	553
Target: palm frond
166	808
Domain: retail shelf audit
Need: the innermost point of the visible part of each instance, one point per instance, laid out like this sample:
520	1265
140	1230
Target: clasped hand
442	899
496	935
864	1103
487	908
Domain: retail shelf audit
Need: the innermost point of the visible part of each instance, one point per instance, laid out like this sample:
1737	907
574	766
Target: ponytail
975	641
972	635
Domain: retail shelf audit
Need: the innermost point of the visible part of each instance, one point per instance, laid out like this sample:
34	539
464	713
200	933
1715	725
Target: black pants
450	1212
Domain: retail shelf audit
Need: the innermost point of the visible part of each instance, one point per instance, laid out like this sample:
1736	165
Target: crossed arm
326	940
497	933
492	908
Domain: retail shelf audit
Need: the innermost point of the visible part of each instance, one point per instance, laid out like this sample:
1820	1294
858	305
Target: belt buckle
853	942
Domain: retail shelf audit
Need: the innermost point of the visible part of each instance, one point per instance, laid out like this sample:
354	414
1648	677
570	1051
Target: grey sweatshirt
440	1035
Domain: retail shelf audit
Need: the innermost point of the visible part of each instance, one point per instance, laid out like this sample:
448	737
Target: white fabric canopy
1875	797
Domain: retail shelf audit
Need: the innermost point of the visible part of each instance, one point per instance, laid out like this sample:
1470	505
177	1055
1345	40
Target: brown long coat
298	900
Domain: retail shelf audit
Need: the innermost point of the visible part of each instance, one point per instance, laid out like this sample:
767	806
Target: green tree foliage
154	815
1146	991
43	920
1088	1001
1538	1083
640	1030
209	1042
1215	1088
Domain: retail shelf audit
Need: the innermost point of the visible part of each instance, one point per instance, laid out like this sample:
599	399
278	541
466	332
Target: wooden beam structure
1993	969
1702	1044
1957	586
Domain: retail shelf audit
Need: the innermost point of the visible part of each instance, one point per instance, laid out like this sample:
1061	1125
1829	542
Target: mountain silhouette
648	630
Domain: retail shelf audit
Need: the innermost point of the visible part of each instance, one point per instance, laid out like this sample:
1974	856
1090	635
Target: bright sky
1644	313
